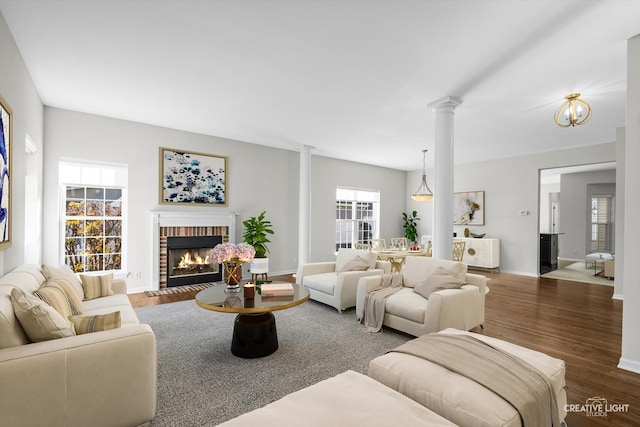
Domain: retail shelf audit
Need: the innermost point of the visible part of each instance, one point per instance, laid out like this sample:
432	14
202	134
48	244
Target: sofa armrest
455	308
477	280
314	268
100	379
365	285
119	286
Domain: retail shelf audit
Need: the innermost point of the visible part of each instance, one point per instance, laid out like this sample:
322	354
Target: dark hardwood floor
576	322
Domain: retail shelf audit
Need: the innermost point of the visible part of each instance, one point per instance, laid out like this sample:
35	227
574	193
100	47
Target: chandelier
574	111
423	193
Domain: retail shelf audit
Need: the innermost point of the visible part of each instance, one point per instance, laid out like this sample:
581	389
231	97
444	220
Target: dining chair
399	242
378	244
363	246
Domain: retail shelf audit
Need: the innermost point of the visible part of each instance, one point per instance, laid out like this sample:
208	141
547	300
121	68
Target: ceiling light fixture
423	193
574	111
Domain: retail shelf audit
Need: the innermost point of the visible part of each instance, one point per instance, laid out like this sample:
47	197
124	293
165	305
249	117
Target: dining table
397	256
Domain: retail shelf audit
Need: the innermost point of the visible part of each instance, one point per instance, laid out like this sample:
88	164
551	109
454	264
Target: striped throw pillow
96	323
56	298
75	302
96	286
38	320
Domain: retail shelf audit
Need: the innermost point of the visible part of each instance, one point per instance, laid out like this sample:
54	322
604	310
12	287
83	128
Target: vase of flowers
232	256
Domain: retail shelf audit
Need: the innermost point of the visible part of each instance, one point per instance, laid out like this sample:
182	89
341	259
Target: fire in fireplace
188	260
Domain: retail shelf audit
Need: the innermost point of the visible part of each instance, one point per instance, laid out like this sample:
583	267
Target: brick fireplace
193	235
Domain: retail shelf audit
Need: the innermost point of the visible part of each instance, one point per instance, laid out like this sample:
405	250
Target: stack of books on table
277	291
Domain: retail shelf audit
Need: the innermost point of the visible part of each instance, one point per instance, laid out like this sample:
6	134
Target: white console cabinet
481	252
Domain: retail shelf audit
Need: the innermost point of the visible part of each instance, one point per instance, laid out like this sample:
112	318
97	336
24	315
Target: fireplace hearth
188	260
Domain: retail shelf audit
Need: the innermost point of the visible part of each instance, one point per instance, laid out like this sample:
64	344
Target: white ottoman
348	399
457	398
596	256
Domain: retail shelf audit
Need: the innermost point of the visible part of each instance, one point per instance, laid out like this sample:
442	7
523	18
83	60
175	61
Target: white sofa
105	378
328	284
410	312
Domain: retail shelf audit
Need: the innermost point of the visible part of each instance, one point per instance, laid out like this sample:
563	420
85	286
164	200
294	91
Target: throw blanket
375	300
523	386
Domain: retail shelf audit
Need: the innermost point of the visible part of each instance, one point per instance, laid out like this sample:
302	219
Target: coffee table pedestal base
254	335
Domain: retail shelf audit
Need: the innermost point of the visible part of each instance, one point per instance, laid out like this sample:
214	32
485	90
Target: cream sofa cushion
38	319
63	272
407	304
415	270
347	254
323	282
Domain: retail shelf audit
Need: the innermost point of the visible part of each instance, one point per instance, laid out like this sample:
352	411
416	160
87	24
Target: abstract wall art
6	133
468	208
190	178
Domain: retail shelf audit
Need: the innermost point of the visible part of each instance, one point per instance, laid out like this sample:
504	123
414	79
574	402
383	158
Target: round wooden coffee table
254	330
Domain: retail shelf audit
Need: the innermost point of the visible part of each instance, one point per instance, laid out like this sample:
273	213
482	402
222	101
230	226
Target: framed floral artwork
6	134
191	178
468	208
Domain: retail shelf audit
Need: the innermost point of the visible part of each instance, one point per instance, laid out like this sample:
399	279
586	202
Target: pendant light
423	193
574	111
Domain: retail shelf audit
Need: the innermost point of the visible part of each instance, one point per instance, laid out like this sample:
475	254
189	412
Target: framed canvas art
190	178
468	208
6	133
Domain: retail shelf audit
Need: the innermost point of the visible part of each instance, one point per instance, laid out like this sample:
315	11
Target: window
94	216
602	224
357	216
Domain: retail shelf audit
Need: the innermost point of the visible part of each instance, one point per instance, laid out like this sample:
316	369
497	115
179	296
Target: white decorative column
304	209
443	177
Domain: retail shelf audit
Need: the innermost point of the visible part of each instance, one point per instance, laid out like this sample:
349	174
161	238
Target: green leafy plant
410	225
257	228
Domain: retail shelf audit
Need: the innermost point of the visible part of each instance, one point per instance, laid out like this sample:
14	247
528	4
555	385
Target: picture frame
468	208
6	151
192	178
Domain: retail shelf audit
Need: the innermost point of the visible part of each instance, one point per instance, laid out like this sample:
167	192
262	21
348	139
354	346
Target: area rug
179	289
577	272
201	383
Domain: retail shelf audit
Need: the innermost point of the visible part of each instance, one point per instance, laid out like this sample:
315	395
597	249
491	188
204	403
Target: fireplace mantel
185	219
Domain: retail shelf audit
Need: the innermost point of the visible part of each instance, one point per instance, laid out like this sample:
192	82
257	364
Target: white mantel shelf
185	219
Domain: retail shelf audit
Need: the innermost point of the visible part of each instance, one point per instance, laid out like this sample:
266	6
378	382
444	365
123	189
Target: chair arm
314	268
100	379
365	285
454	308
119	286
347	284
477	280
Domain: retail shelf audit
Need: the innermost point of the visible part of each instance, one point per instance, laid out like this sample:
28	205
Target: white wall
630	358
20	93
547	192
328	174
511	185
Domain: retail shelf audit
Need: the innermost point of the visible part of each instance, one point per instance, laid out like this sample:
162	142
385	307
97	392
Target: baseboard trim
629	365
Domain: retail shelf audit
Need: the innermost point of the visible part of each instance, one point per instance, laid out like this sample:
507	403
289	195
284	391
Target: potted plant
257	230
410	226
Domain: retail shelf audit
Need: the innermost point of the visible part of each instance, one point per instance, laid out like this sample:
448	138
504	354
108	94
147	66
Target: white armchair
335	283
410	312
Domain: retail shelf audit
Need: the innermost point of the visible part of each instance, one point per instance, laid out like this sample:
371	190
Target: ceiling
351	78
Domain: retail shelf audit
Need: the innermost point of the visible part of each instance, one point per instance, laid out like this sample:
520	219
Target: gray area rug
577	272
200	383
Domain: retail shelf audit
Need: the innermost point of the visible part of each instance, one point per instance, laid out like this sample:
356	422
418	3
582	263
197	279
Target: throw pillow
96	323
96	286
56	298
75	302
39	320
441	279
356	264
63	272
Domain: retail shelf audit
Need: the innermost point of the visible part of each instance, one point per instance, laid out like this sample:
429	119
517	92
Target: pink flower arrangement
232	252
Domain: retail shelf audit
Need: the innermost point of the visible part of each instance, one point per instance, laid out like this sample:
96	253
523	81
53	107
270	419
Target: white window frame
80	173
351	226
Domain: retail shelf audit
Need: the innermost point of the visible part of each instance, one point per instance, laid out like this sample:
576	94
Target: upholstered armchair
336	283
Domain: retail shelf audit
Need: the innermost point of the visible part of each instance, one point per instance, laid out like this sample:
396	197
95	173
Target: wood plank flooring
576	322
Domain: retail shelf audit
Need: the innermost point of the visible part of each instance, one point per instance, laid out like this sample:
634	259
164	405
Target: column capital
306	148
448	103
